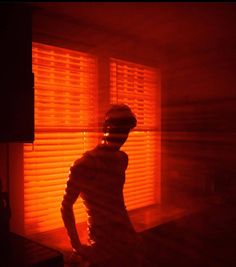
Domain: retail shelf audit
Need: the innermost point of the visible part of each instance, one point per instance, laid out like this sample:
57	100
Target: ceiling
160	23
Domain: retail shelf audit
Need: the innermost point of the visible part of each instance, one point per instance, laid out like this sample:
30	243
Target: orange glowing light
139	87
66	104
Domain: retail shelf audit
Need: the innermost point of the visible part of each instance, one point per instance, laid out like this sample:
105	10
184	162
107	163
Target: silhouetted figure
98	178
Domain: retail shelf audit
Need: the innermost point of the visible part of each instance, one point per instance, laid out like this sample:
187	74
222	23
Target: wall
199	130
3	167
64	31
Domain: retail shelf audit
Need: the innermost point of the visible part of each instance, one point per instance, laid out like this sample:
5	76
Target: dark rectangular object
16	77
23	252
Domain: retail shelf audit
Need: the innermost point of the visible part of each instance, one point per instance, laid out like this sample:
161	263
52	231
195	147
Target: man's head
119	120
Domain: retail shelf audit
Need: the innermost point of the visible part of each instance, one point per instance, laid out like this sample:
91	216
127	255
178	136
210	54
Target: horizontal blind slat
138	86
65	102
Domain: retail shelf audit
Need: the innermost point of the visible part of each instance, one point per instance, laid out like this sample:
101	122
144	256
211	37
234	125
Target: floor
203	235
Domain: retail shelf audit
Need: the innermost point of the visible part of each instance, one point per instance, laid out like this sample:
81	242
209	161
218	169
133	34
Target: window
139	87
66	112
65	119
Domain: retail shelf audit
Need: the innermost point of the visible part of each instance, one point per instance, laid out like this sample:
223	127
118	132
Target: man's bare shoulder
86	160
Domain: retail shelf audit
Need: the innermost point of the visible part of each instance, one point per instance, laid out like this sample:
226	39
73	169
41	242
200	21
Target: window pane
65	117
139	87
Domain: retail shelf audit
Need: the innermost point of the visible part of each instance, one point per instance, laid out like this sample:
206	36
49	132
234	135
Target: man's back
101	189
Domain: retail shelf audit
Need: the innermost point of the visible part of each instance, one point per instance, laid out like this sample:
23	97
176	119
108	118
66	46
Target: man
98	178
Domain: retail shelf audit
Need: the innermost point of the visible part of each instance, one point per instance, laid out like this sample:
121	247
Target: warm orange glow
66	127
65	105
63	80
139	87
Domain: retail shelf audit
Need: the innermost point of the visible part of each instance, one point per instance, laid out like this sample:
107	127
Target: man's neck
109	145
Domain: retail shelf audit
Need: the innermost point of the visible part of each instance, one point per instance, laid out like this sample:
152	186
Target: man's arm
72	192
78	179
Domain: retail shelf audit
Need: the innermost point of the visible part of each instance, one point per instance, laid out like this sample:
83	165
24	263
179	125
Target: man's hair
120	116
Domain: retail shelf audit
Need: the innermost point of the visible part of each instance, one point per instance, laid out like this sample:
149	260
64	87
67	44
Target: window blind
139	87
65	127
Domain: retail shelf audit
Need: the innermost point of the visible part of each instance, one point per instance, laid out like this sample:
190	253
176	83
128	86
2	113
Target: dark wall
198	124
16	86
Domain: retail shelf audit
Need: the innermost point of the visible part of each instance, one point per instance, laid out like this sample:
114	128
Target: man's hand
84	251
80	256
75	260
